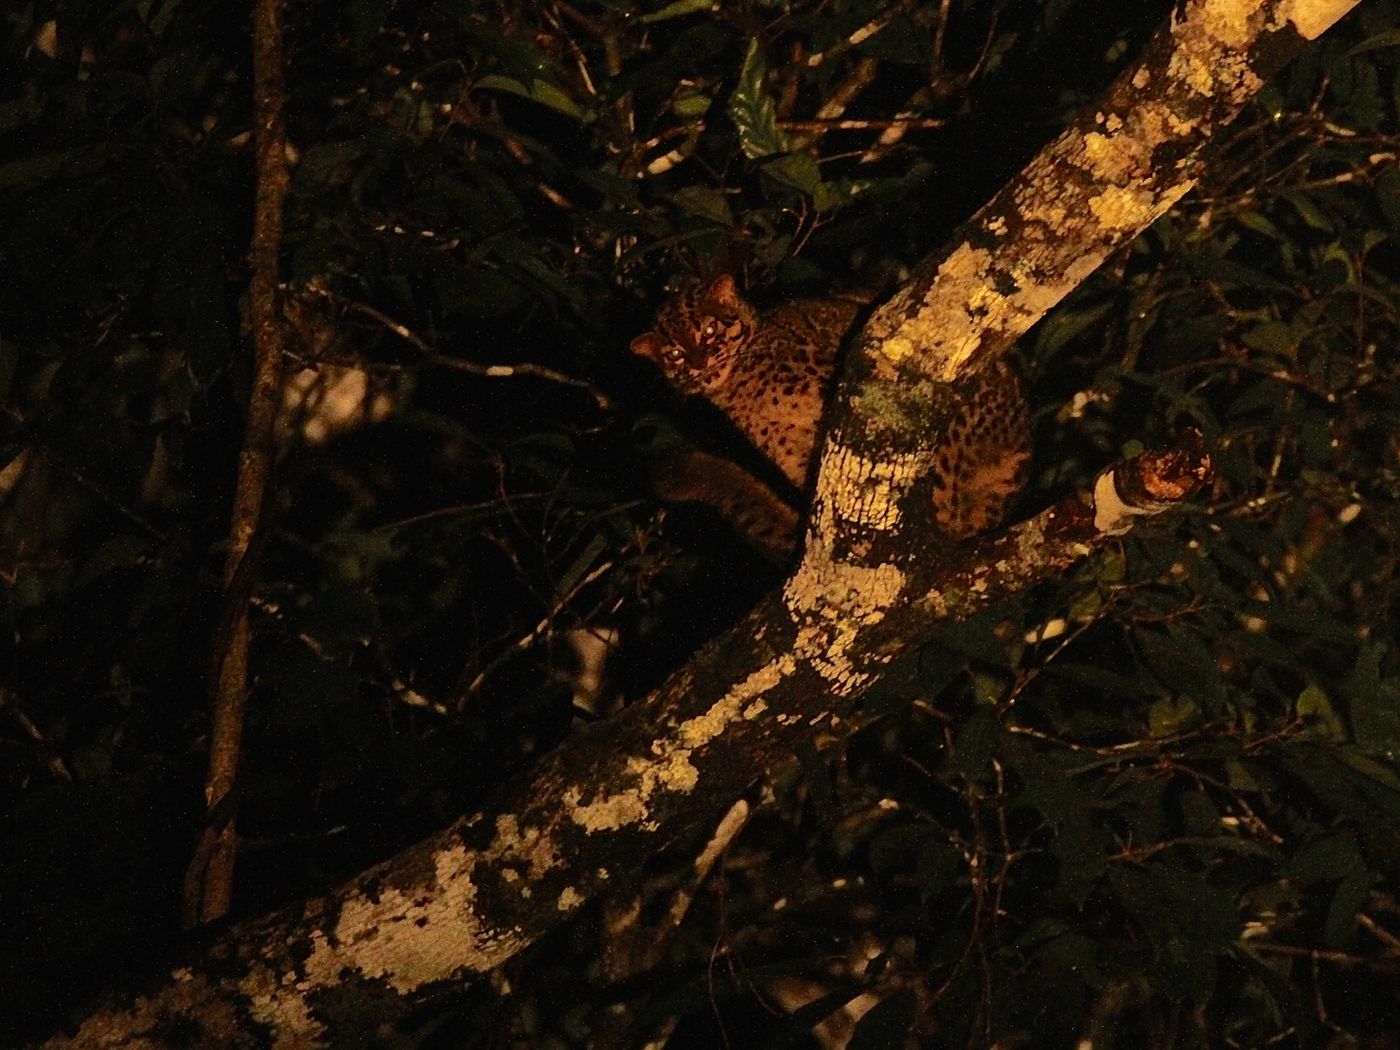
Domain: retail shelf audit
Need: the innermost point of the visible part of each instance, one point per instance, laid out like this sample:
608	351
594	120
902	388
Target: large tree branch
869	588
469	898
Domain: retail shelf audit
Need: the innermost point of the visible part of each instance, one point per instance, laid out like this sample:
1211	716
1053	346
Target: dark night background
1128	806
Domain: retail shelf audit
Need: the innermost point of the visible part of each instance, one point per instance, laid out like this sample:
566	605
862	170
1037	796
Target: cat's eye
710	329
674	354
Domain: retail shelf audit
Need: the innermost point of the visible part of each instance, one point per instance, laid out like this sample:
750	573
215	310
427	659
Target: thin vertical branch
209	880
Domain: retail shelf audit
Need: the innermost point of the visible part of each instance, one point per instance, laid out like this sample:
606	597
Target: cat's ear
723	293
648	344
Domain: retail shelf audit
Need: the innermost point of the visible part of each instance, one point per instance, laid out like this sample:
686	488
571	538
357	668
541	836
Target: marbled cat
772	372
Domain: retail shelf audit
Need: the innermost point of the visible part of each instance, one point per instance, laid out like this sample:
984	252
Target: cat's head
698	334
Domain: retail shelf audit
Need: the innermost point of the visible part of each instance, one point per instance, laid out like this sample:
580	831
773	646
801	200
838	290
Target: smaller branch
724	835
208	887
1324	955
1060	536
635	947
1150	484
1379	932
823	126
875	25
513	371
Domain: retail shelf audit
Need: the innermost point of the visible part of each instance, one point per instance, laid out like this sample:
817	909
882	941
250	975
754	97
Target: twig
528	639
1379	932
838	101
82	478
55	761
431	356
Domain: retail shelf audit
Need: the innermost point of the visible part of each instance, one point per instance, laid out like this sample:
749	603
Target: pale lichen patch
832	603
669	767
1115	158
896	349
281	1008
675	772
1227	21
528	844
1312	18
858	594
854	490
1211	53
1194	71
828	647
411	937
961	276
1122	208
1035	299
607	813
700	730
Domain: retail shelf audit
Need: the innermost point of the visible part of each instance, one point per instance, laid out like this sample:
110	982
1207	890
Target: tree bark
874	579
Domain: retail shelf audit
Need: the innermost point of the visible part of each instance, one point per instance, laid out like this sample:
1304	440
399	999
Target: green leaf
896	849
1082	855
753	111
1047	787
1199	817
20	112
1309	211
1313	703
1272	337
581	565
1090	676
1325	859
1256	221
691	105
1374	701
541	91
1065	324
1239	777
119	552
677	9
1385	38
1351	894
706	203
1171	714
977	742
798	170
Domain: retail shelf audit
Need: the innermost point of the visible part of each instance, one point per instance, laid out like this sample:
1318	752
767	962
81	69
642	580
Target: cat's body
771	374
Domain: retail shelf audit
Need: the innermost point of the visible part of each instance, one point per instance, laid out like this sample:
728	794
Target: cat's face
698	334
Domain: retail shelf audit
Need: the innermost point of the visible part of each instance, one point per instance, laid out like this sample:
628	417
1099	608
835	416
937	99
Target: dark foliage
1154	804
